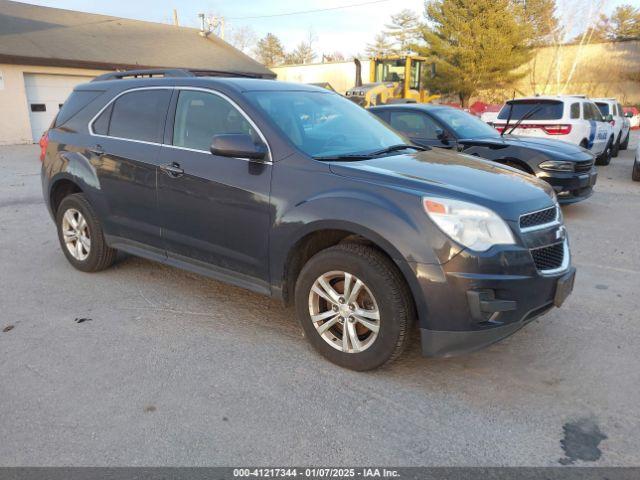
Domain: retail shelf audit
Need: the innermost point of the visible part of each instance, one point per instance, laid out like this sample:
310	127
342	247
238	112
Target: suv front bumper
466	311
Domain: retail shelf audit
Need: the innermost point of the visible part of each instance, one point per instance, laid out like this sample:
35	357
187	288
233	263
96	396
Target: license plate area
564	287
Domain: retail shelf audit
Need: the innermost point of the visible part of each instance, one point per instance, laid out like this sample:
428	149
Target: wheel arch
321	235
518	163
61	188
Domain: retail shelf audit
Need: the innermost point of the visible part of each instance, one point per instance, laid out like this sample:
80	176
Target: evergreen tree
625	23
303	53
475	44
404	29
381	46
541	16
269	50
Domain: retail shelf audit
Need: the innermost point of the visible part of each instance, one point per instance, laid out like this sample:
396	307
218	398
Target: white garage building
45	52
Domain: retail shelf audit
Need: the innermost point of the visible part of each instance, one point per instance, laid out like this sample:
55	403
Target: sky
347	30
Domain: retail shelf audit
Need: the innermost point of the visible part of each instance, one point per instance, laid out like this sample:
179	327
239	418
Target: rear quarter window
544	109
76	102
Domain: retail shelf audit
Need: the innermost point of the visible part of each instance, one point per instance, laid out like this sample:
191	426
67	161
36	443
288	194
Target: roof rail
170	72
158	72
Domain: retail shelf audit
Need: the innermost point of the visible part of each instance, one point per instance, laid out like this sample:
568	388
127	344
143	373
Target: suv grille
538	218
549	257
584	166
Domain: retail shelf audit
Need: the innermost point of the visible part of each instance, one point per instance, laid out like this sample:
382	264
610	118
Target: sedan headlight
557	166
471	225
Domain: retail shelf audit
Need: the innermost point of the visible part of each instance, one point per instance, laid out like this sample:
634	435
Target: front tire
81	236
605	157
354	306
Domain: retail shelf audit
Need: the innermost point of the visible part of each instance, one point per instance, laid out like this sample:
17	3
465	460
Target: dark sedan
568	168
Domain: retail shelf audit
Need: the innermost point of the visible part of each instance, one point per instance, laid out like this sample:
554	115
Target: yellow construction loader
392	79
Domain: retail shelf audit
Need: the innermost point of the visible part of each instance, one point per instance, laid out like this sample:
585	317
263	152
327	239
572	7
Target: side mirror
442	136
238	145
608	118
628	114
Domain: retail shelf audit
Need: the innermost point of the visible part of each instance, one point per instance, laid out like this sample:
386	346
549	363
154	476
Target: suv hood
438	172
556	149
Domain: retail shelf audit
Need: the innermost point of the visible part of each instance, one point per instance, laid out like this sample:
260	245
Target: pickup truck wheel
354	306
81	236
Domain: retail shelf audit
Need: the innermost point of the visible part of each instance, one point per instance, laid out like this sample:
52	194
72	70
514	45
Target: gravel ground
177	369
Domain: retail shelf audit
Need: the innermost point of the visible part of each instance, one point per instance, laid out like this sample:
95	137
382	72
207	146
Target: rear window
544	109
603	107
76	102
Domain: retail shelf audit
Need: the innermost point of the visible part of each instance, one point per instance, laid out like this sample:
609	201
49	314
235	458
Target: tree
625	23
381	46
475	44
541	16
333	57
303	53
269	50
404	29
243	38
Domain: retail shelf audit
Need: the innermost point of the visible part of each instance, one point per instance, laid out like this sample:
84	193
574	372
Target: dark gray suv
297	193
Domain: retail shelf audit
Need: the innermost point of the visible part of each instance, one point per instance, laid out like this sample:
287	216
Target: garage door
45	96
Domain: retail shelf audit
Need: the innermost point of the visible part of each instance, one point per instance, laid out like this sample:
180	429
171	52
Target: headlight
557	165
471	225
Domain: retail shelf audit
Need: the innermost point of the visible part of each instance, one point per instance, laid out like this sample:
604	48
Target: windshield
463	124
604	108
325	124
549	109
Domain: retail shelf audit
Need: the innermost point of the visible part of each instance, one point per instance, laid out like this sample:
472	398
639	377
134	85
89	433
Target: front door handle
173	170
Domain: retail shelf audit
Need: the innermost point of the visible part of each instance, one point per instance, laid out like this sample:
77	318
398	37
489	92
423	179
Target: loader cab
404	71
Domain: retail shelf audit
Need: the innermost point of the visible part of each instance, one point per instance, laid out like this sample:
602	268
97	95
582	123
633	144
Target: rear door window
544	109
416	125
201	115
575	110
137	115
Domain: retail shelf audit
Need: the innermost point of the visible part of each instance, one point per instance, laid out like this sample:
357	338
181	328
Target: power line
301	12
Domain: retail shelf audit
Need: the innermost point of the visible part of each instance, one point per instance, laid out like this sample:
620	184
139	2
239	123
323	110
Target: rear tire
81	236
635	173
624	145
605	157
372	342
616	147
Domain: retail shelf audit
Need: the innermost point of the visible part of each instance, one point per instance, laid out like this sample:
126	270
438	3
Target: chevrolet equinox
295	192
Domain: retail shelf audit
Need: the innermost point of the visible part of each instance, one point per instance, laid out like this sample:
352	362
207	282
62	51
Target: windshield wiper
395	148
349	156
369	155
529	113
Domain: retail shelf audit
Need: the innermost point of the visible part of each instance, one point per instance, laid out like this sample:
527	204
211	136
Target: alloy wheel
75	232
344	312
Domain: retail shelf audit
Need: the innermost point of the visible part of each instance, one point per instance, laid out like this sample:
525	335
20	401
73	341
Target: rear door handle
173	170
97	150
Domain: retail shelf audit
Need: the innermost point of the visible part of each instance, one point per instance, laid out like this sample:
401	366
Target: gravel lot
177	369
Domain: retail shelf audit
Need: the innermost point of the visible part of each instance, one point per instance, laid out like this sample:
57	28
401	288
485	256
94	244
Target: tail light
557	129
44	143
499	128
